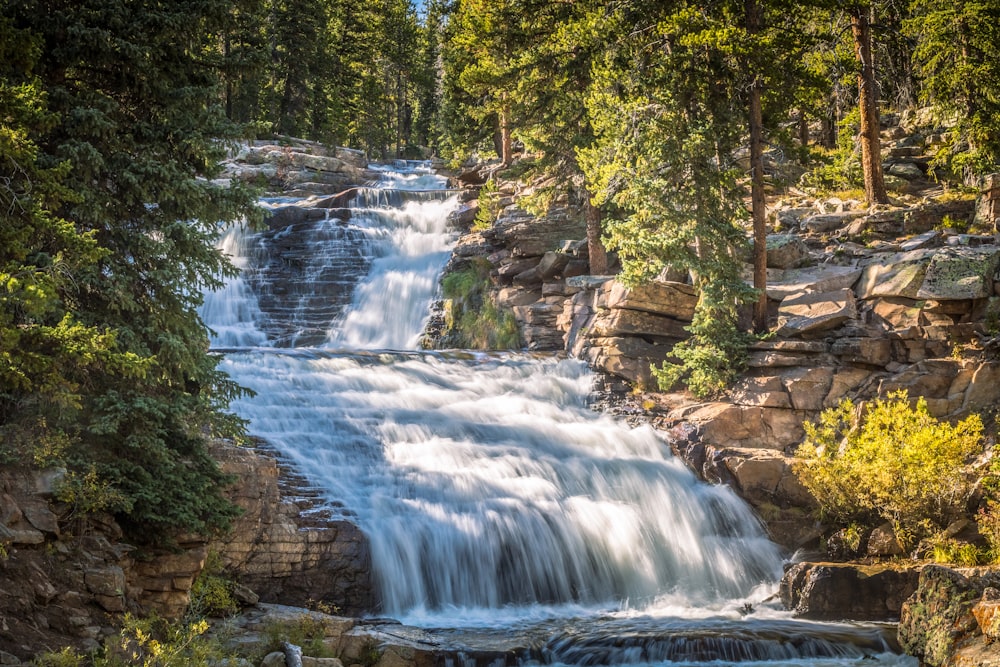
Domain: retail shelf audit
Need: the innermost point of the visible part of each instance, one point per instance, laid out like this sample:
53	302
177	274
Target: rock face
285	550
839	591
951	617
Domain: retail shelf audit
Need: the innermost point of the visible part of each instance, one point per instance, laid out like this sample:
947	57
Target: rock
829	222
908	170
552	264
728	425
277	549
882	542
309	661
826	278
791	218
920	241
813	312
960	273
895	275
988	204
767	391
286	216
987	614
274	659
530	236
808	387
786	251
669	299
937	624
838	591
862	350
37	513
618	322
897	313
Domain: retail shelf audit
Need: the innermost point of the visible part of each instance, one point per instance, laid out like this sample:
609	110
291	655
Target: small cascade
233	312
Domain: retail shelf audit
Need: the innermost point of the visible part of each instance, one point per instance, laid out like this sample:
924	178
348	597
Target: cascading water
490	492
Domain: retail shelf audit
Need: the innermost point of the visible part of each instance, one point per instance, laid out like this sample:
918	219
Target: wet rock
838	591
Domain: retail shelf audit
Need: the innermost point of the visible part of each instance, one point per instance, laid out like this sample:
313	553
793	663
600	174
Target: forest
655	116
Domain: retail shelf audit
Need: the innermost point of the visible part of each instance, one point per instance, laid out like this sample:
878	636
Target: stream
496	501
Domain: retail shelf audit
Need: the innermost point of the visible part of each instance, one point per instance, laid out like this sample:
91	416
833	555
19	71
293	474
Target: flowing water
496	502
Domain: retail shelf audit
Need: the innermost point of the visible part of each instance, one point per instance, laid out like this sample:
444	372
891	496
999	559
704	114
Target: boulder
552	264
897	275
828	222
752	427
808	387
960	273
786	251
826	278
844	591
813	312
619	322
669	299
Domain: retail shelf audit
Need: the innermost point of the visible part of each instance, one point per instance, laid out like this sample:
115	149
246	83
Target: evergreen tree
140	127
956	57
671	106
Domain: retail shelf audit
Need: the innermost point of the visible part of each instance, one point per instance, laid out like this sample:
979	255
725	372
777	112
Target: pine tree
140	126
957	60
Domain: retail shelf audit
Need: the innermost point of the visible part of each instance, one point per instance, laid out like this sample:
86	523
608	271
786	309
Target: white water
491	494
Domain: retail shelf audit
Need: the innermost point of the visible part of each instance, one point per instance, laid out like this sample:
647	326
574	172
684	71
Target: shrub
212	593
489	207
892	461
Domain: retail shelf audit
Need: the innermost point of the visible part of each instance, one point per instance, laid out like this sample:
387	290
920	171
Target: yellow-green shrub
892	461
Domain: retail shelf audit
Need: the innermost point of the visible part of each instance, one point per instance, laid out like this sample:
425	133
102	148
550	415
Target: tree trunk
757	204
871	149
595	247
505	140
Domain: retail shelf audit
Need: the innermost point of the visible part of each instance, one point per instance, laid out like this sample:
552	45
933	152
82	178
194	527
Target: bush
489	207
473	320
892	461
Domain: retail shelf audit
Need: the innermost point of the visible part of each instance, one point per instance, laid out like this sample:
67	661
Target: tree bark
595	247
757	204
505	140
871	149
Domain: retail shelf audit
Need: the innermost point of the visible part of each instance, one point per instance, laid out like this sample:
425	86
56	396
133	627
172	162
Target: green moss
473	320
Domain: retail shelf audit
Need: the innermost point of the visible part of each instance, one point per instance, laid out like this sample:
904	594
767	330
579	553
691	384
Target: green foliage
895	462
489	207
473	320
108	243
305	630
712	358
149	642
956	552
841	169
212	591
955	53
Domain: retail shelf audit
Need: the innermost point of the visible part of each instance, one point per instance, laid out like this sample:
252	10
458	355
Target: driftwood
293	654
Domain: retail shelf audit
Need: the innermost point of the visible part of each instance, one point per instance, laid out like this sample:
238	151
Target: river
496	501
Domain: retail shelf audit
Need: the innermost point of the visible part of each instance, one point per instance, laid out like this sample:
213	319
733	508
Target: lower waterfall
491	494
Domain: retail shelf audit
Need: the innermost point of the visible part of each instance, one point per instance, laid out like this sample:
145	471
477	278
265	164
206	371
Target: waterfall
489	490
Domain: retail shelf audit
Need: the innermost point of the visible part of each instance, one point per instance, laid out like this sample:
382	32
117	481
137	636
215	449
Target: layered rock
285	546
